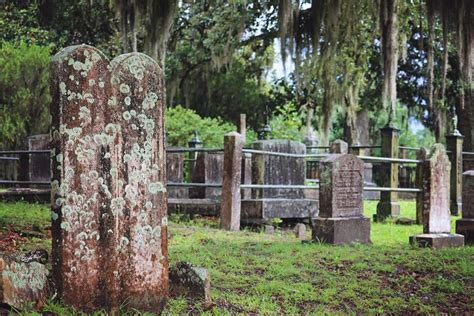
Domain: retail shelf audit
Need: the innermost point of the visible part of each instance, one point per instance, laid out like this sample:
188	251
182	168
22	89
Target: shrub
181	123
24	92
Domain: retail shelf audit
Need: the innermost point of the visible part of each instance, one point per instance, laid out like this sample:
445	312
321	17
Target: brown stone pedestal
437	241
342	230
465	227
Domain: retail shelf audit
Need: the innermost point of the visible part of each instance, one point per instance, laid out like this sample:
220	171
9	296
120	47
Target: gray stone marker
269	203
465	225
341	217
339	147
39	167
175	173
435	199
109	221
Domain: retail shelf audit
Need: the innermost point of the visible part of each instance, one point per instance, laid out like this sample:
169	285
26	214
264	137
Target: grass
252	272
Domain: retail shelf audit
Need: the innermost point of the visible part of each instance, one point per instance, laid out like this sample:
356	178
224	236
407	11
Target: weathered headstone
268	203
208	168
108	189
175	173
435	215
24	279
341	217
300	231
191	281
40	167
465	225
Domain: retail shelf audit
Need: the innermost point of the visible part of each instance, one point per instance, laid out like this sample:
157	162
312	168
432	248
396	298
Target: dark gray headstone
209	168
465	226
175	174
268	169
40	169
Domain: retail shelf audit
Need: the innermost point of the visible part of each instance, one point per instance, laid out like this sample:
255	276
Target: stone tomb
465	225
266	204
341	219
175	173
434	211
209	168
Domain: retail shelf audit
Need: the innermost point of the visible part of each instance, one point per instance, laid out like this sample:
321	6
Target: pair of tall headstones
108	190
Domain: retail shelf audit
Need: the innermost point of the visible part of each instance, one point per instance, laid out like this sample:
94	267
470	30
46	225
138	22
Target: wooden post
230	205
454	144
389	205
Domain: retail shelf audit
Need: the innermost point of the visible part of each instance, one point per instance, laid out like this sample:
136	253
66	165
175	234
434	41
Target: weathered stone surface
189	280
175	173
208	168
341	217
300	231
24	282
262	210
339	147
465	226
435	184
437	241
343	230
268	169
230	205
246	175
109	199
39	167
421	155
341	186
454	144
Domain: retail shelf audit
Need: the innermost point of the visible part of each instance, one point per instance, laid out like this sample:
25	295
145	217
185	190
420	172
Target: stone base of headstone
343	230
405	221
386	210
261	210
465	227
437	241
205	207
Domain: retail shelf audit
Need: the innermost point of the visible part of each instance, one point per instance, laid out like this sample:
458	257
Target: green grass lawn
252	272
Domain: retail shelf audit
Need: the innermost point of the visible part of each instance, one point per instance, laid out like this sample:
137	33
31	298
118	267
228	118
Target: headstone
435	215
39	168
175	173
268	203
209	168
246	175
109	200
339	147
269	229
300	231
191	281
24	280
341	217
465	225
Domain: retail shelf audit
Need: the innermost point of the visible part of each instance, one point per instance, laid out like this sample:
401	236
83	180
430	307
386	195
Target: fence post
389	205
243	127
230	204
454	144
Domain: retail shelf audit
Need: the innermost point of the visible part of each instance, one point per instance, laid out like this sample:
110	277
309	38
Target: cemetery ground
257	273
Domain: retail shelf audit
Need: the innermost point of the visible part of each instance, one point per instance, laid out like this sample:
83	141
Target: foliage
24	92
287	123
181	123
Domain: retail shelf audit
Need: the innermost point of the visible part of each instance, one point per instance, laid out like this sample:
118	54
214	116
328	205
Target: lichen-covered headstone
434	212
341	217
108	189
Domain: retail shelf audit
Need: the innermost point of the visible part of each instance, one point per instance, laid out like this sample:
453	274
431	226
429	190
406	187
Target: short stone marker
435	214
24	279
341	217
109	200
339	147
191	281
465	225
300	231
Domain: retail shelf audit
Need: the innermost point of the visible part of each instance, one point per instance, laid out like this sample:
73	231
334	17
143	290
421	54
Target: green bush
287	123
181	123
24	92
